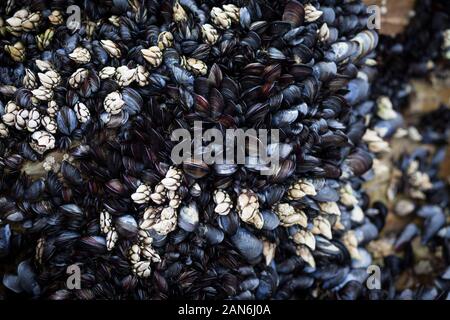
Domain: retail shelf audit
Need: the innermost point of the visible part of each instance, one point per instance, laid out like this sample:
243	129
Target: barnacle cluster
87	115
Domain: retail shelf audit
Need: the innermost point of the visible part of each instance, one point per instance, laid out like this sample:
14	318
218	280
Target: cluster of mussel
88	108
414	247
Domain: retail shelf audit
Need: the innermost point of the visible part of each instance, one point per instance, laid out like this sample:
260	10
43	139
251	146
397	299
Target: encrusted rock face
228	65
110	94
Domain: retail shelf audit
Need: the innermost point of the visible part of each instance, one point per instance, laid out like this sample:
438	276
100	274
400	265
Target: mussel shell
351	291
289	265
341	50
328	15
178	236
115	186
71	173
126	226
229	223
279	28
213	235
294	13
366	232
408	233
432	225
94	244
66	120
324	70
158	239
225	169
12	282
66	239
247	244
301	71
71	210
5	240
358	91
271	220
428	211
284	117
195	169
327	194
28	279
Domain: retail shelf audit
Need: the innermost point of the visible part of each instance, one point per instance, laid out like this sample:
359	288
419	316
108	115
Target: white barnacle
34	120
21	118
347	196
167	221
209	34
223	202
52	108
16	51
141	76
107	72
142	194
49	79
113	103
159	194
111	239
142	269
304	253
290	216
42	141
231	11
153	56
311	13
220	18
330	208
105	222
149	218
322	226
179	14
56	18
80	55
78	77
351	243
42	93
385	109
248	208
165	40
44	65
324	33
125	76
82	112
305	237
134	254
111	48
9	117
4	132
174	199
172	180
29	80
300	189
196	66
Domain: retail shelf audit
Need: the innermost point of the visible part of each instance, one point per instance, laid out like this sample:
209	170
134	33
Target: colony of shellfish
91	93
